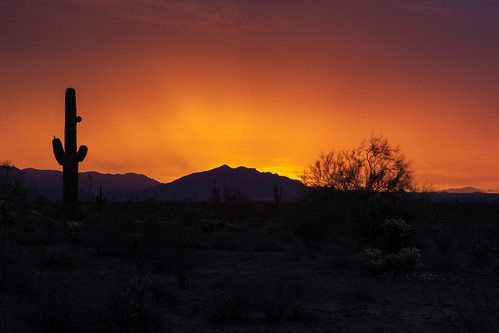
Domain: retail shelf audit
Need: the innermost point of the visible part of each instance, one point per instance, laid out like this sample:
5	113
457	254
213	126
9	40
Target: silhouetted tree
362	180
374	166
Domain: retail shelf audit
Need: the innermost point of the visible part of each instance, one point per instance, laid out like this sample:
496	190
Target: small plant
7	214
395	231
406	261
137	239
74	230
234	298
275	296
280	296
138	295
376	261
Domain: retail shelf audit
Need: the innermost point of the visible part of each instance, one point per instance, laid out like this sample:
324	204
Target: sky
169	87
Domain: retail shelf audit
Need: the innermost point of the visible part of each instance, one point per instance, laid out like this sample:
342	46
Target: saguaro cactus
277	195
68	156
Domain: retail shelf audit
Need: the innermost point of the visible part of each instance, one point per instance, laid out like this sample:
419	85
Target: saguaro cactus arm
58	150
82	152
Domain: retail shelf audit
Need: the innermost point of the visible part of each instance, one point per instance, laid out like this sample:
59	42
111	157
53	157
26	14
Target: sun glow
266	89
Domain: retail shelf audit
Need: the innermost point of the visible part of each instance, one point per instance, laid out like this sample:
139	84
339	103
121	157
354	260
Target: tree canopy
374	166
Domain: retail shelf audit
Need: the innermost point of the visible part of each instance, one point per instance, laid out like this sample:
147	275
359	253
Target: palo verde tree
365	176
375	166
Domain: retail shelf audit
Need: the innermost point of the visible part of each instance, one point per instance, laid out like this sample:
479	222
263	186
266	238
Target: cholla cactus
395	230
137	239
137	297
375	260
397	226
68	156
73	230
7	213
407	260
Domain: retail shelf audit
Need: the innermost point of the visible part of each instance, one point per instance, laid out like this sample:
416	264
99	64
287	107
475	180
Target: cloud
212	17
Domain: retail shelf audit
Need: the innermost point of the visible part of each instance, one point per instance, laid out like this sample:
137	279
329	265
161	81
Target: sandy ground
330	299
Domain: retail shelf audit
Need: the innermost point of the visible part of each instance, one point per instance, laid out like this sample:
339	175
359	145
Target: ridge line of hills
240	181
198	186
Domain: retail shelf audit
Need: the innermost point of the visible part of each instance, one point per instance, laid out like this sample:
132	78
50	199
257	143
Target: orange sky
170	87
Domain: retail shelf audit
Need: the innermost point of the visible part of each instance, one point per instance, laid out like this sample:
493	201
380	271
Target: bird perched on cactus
68	156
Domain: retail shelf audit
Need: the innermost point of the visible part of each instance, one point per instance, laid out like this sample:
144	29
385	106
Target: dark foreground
242	266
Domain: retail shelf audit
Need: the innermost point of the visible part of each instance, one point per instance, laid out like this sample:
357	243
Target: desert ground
247	267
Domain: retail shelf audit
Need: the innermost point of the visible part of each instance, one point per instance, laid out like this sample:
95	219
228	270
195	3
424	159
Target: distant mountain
198	186
252	183
114	186
467	189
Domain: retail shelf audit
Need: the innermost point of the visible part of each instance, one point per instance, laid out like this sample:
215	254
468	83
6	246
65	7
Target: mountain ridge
254	184
197	186
466	189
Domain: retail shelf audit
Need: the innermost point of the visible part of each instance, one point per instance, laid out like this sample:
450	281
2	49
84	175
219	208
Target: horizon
168	88
251	168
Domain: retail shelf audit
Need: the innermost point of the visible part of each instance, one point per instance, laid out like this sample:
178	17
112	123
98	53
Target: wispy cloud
212	17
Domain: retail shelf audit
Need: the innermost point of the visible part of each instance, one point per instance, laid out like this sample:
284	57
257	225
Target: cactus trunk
69	157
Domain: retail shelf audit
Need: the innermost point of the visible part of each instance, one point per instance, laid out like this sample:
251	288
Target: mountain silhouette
197	186
468	189
254	184
114	186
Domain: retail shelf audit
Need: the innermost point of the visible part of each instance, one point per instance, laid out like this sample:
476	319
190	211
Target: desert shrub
375	261
234	298
135	301
183	264
275	296
74	231
280	296
12	187
7	213
175	253
406	261
482	249
395	232
101	303
469	307
310	228
235	205
50	306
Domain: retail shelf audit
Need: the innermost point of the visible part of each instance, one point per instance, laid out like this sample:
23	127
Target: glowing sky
170	87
